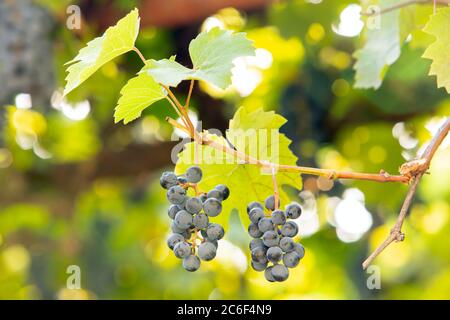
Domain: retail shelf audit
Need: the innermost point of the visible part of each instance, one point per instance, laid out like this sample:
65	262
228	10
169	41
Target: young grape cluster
273	249
193	237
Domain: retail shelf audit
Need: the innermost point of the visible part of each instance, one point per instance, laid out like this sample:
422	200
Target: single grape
214	231
173	239
256	243
207	251
176	229
280	272
291	259
212	207
287	244
224	190
278	217
259	255
203	197
300	250
193	205
258	266
270	203
265	224
183	219
254	204
216	194
194	174
214	242
254	231
176	195
256	214
289	229
268	274
200	221
274	254
293	210
182	250
270	238
168	179
173	209
191	263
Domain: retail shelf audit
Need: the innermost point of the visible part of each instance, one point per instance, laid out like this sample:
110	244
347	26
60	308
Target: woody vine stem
412	173
402	4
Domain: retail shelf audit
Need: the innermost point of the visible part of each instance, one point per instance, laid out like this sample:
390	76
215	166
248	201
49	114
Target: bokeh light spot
6	158
340	87
350	24
377	154
316	32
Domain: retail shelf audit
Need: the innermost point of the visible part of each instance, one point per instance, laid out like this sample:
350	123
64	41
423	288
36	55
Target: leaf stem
175	124
275	188
139	54
180	108
188	100
176	110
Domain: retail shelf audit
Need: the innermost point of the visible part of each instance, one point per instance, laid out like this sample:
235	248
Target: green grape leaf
382	48
412	19
136	95
167	71
438	51
212	54
246	181
116	41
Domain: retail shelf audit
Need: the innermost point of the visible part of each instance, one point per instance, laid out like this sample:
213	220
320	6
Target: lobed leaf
116	41
167	71
438	51
139	93
382	48
212	54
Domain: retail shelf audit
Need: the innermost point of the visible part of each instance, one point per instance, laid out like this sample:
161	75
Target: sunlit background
78	190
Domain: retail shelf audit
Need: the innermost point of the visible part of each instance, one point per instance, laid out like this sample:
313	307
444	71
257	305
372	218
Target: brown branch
188	100
331	174
275	188
405	4
417	171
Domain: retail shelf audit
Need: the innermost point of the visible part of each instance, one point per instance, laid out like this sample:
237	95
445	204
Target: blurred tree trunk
26	59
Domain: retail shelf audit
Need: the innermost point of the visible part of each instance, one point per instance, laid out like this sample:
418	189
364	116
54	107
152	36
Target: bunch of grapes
193	237
272	241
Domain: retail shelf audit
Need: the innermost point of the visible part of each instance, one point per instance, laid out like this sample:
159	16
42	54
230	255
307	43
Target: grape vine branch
410	172
405	4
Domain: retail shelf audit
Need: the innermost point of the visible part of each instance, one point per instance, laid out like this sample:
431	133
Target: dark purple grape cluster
273	249
193	237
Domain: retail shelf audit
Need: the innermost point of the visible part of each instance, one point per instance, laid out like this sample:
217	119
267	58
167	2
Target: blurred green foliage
115	228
